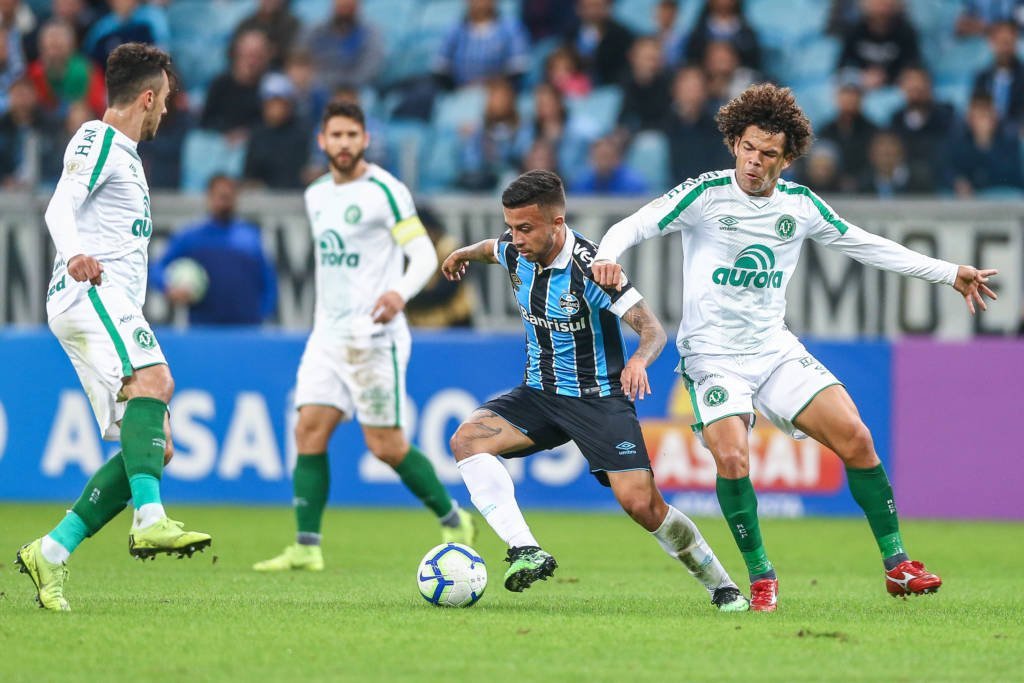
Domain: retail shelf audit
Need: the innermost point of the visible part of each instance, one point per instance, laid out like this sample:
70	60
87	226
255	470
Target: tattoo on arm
652	335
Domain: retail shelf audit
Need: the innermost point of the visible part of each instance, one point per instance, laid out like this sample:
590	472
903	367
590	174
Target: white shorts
107	338
779	385
362	377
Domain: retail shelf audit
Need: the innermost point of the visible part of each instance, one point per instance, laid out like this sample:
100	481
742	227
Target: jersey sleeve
829	230
504	251
86	159
618	301
404	223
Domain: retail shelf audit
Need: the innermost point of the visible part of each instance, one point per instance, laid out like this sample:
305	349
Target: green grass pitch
618	609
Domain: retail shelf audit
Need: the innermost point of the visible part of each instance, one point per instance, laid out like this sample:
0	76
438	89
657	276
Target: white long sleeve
875	250
61	218
421	266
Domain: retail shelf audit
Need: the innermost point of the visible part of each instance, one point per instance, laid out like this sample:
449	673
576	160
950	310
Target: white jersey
359	229
105	188
740	251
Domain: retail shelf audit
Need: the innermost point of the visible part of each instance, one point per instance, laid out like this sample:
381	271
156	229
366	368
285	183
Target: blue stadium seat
638	15
818	100
413	55
406	143
597	112
206	153
649	155
934	19
439	15
200	34
785	24
439	162
312	12
957	94
393	18
463	106
539	52
881	104
959	60
814	60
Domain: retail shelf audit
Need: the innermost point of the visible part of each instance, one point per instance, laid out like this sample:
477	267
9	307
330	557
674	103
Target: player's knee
310	437
461	443
733	462
858	448
643	508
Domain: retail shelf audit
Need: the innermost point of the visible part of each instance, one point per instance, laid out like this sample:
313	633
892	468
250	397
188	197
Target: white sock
54	551
149	514
681	539
493	493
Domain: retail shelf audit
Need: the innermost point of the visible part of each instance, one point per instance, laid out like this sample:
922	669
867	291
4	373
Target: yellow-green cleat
297	556
48	577
464	533
166	536
730	599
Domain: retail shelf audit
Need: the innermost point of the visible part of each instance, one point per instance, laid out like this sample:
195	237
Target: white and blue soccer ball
452	575
189	275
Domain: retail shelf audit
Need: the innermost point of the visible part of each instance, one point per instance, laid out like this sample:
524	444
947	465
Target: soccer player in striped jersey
99	219
742	230
364	226
579	385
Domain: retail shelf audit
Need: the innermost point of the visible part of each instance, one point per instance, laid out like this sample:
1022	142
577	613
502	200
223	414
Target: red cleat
910	578
764	595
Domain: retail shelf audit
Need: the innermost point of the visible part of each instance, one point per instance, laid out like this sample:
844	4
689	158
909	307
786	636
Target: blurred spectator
647	89
851	132
12	67
694	141
547	18
279	148
482	46
1004	80
51	164
601	42
542	155
233	104
607	174
671	37
725	76
881	44
278	23
27	134
19	21
888	173
161	156
76	13
986	154
843	15
925	126
346	50
723	20
242	288
564	70
128	21
310	96
62	76
820	168
488	151
978	15
440	303
551	125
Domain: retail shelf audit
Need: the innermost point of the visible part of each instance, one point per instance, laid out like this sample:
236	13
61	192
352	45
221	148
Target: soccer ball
187	274
452	575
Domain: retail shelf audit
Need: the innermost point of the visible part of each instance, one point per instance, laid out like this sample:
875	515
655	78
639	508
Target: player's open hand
634	380
388	306
607	274
972	283
82	268
454	267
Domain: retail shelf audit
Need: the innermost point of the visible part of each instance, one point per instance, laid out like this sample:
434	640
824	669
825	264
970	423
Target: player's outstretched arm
454	267
972	283
652	340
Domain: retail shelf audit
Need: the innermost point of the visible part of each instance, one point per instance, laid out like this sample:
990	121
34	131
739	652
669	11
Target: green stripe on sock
873	492
419	476
311	483
739	505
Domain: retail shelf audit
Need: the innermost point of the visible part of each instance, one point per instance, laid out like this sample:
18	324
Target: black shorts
605	428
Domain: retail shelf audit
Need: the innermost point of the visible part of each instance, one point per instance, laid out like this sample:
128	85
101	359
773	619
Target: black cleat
528	563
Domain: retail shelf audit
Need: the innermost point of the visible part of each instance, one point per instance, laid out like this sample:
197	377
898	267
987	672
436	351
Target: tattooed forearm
652	335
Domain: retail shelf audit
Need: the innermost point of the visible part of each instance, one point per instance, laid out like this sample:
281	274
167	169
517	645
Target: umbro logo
626	448
728	223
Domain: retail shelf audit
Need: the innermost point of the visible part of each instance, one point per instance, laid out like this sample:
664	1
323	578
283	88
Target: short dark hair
539	187
220	178
133	68
773	110
349	110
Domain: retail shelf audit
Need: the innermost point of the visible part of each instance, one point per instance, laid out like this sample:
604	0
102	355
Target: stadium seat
439	162
406	142
649	155
412	56
638	15
934	19
959	60
439	15
384	14
464	106
786	28
206	153
879	105
200	35
818	100
814	60
596	113
312	12
539	52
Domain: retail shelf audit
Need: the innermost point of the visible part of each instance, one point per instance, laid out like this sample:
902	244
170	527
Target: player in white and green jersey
741	231
99	219
364	225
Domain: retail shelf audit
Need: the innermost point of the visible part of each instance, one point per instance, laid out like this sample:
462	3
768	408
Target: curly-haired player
742	230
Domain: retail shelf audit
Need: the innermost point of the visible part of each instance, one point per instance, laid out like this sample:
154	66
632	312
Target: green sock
70	532
142	446
104	496
311	481
873	492
739	505
419	476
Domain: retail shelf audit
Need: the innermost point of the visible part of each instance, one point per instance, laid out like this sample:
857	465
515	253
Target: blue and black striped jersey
574	346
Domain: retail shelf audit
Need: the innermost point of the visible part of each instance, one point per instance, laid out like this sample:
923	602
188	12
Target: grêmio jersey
113	222
574	346
359	228
740	251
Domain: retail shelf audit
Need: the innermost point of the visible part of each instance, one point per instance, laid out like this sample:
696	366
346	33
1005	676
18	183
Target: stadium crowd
915	97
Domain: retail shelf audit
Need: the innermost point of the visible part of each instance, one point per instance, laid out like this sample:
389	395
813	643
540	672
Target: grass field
618	609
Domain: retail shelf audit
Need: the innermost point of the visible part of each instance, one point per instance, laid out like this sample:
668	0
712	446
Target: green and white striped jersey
359	229
740	251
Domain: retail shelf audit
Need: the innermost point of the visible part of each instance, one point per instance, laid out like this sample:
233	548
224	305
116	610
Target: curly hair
773	110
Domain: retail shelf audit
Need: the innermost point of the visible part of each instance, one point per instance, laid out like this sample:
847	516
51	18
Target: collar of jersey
564	256
756	202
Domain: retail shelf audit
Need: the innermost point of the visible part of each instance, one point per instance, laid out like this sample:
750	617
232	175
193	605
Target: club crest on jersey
785	226
569	303
144	338
332	251
753	267
715	396
517	282
353	214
